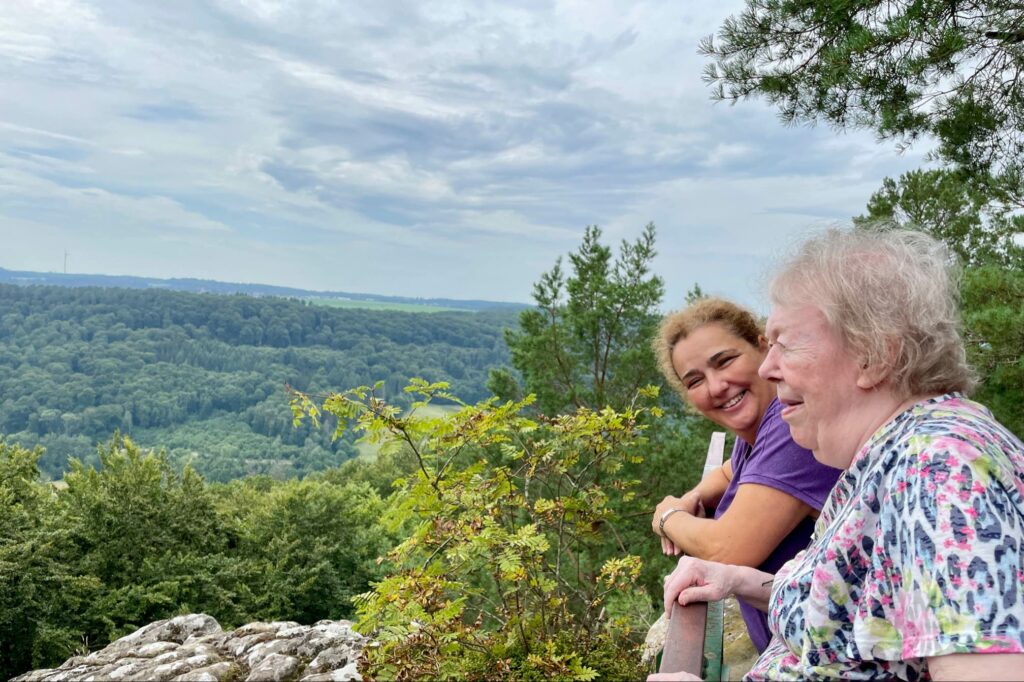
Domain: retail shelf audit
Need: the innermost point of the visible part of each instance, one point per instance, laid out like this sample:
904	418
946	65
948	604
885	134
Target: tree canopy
587	343
204	376
134	540
906	69
976	228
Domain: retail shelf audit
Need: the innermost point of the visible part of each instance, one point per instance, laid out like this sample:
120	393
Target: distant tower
65	261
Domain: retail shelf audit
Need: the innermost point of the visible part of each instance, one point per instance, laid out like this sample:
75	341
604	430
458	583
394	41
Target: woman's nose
769	368
717	384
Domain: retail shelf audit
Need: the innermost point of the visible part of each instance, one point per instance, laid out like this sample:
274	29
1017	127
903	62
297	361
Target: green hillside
205	375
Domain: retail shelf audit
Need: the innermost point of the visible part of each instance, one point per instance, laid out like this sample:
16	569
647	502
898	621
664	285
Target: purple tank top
777	462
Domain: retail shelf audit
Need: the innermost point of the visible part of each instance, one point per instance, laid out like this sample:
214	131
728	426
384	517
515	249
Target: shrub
510	566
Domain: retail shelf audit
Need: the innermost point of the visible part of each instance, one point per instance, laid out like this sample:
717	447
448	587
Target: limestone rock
287	647
211	673
655	641
334	658
274	668
738	652
154	649
194	648
346	674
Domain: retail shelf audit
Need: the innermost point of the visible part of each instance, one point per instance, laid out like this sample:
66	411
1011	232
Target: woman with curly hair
767	495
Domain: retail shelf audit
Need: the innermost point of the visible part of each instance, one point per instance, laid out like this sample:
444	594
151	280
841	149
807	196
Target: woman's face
825	400
719	372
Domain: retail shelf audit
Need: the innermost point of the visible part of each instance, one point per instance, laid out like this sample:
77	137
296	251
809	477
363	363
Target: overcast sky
435	149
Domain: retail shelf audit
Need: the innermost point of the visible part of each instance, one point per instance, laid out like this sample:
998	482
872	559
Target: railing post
716	453
693	643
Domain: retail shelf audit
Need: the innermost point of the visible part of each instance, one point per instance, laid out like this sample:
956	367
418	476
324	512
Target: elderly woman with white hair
916	565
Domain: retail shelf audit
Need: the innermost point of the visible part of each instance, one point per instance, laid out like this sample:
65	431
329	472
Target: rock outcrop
195	648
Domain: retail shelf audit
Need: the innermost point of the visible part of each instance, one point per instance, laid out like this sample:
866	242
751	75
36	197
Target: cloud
166	111
726	152
442	148
35	196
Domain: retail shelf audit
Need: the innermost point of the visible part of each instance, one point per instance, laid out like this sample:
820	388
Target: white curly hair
892	296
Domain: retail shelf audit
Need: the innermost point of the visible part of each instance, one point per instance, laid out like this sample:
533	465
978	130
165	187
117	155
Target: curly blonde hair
678	325
891	295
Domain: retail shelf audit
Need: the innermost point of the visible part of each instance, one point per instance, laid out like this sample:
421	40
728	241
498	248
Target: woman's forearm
702	497
694	535
756	522
692	505
752	586
976	666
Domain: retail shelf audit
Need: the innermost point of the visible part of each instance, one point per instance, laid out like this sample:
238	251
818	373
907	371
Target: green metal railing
694	640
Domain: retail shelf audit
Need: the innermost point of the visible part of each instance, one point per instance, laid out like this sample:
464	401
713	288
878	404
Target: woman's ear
870	376
762	343
875	371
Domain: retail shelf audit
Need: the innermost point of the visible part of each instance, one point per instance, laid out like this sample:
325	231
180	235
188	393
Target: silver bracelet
664	517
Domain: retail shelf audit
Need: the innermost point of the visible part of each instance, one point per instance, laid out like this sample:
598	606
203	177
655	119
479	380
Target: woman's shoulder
953	426
946	442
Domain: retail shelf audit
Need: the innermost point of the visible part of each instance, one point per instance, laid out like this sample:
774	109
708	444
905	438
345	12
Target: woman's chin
740	417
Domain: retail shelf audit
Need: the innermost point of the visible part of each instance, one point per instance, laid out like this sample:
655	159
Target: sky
427	149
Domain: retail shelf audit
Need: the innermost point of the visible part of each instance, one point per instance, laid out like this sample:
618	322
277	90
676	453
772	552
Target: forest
205	376
135	540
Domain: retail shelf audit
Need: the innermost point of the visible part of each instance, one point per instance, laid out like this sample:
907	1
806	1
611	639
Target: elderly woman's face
817	381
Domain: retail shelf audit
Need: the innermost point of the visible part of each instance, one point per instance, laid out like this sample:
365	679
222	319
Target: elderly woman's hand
696	580
690	503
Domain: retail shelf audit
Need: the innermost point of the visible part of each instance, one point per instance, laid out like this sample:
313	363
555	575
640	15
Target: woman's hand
696	580
690	503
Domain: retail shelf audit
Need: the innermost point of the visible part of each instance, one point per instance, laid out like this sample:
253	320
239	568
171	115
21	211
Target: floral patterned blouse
918	552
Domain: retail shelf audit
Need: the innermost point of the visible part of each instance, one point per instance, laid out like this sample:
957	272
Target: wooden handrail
684	641
695	630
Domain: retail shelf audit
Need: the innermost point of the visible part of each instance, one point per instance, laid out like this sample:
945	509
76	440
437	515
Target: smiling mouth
789	406
732	402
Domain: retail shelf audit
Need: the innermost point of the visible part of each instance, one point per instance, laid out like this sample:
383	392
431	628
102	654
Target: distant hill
25	278
205	376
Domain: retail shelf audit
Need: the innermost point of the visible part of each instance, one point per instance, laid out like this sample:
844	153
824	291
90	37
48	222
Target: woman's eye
724	362
693	383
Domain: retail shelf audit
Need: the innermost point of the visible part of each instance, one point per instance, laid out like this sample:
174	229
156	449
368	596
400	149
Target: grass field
370	450
379	305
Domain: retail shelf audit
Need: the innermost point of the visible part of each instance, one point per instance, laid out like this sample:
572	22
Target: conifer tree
587	343
948	71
